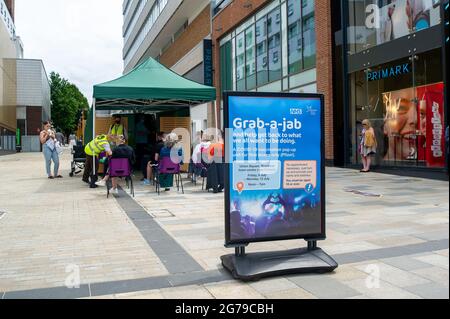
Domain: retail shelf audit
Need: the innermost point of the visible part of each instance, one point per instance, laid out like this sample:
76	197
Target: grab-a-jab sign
275	176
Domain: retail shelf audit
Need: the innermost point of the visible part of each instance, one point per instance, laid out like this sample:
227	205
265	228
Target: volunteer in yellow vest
118	129
93	149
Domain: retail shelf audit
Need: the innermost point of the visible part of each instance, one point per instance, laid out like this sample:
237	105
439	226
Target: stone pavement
169	246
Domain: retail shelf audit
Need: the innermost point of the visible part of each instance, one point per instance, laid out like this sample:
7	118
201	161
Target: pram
78	161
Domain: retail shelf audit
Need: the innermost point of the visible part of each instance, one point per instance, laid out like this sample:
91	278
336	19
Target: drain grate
161	213
366	194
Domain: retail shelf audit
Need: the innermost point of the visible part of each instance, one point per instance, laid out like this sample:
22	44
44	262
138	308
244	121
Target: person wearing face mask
118	129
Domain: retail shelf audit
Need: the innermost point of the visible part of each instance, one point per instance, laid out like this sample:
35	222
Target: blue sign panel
275	176
208	62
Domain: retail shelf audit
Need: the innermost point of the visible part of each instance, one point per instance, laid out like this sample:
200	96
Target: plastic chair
167	167
120	167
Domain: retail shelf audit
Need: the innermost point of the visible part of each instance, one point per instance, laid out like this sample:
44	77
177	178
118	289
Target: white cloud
80	39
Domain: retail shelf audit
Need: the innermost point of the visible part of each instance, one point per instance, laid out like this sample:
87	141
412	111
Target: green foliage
68	103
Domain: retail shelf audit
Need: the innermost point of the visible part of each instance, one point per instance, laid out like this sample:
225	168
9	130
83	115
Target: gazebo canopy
151	87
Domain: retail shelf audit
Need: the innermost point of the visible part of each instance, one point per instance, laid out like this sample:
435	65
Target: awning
151	87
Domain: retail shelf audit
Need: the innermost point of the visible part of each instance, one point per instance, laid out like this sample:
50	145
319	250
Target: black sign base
254	267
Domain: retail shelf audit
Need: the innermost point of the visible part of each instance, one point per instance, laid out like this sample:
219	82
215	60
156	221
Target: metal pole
93	135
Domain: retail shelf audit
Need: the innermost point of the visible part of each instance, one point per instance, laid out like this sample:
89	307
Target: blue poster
275	174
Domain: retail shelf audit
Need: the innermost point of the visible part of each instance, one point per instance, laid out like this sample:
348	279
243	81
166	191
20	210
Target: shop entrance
404	100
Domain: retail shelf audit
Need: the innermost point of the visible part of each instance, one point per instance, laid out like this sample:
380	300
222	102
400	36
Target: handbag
369	140
58	148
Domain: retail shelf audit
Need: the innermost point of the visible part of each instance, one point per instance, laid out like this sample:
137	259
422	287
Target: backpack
369	140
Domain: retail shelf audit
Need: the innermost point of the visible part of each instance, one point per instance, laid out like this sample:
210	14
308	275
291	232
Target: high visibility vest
117	130
97	146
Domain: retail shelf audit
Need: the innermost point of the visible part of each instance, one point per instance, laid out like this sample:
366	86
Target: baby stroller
79	159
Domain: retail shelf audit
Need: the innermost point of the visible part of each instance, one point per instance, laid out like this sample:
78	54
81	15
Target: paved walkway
169	246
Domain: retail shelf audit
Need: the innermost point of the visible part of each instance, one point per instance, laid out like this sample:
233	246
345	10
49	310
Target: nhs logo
389	72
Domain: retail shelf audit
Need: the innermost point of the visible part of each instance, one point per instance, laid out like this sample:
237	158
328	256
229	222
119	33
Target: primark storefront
392	66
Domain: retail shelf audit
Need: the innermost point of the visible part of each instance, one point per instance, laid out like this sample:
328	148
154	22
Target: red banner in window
431	124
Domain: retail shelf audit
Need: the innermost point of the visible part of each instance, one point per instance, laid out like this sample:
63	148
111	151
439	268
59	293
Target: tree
67	103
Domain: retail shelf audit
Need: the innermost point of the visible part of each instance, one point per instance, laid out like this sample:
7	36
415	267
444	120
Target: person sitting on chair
175	153
121	151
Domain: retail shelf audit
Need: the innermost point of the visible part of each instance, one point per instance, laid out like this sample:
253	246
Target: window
295	39
274	46
261	52
240	62
250	58
309	41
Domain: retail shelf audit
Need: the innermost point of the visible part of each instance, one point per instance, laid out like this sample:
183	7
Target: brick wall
198	30
325	68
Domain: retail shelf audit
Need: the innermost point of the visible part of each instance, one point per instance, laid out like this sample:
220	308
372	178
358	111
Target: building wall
198	30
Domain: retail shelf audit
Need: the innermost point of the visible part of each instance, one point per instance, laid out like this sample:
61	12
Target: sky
79	39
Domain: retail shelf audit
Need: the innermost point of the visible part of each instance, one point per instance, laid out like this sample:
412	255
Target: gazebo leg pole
94	158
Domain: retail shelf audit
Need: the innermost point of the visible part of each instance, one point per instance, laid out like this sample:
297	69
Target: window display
414	125
404	100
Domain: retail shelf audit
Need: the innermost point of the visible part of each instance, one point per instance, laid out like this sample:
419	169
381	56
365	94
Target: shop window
295	38
404	101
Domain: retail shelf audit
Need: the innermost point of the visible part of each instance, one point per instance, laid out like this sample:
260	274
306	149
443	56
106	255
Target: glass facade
272	49
395	81
402	99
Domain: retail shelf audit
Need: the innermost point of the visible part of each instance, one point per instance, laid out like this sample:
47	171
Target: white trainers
115	191
101	183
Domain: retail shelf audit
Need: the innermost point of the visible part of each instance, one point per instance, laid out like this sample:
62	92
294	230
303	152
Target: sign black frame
312	237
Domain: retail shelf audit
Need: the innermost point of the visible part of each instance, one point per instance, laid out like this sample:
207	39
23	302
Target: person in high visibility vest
118	129
93	149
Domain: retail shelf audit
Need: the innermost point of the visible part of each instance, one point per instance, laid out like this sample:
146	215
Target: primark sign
390	72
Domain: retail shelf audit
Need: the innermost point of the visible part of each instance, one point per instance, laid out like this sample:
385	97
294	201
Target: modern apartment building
177	34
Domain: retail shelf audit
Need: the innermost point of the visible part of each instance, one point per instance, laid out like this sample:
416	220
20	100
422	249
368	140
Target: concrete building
177	34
